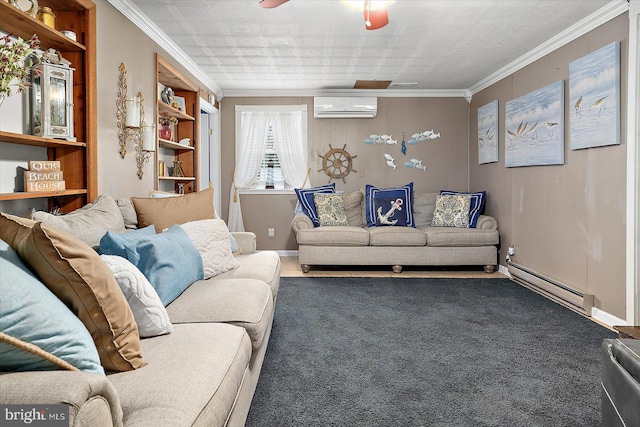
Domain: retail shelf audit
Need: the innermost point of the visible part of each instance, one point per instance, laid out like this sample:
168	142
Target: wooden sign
30	176
44	176
44	165
33	186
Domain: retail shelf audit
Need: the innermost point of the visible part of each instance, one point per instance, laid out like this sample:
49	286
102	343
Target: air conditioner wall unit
337	107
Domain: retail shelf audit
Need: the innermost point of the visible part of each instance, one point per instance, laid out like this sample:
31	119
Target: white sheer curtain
292	150
290	132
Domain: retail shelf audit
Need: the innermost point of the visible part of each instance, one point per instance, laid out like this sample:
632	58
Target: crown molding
599	17
139	19
380	93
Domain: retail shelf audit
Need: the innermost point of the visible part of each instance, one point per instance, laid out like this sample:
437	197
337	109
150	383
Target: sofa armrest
301	222
246	241
620	382
92	399
487	222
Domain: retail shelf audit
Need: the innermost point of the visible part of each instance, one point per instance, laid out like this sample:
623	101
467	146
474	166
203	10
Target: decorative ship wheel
337	163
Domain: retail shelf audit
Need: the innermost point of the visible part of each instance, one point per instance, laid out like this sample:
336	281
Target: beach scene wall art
534	128
488	133
594	98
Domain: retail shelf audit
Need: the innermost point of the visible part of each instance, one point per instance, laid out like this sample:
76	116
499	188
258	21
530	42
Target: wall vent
561	293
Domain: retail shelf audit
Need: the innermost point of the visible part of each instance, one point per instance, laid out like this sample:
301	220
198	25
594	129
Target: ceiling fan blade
269	4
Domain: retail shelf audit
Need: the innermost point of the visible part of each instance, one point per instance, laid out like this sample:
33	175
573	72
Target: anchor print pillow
389	206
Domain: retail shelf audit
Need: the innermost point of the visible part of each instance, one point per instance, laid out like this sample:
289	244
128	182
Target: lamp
374	18
131	124
52	101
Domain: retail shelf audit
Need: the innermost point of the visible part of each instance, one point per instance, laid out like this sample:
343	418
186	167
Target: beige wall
445	158
566	221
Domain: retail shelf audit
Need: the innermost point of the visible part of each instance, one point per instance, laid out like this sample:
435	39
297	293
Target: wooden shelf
22	25
164	143
174	112
177	178
40	194
37	141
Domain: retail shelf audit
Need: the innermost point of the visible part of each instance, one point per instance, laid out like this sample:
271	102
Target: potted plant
14	71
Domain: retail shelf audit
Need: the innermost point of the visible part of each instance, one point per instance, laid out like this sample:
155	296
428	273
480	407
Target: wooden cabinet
187	127
78	159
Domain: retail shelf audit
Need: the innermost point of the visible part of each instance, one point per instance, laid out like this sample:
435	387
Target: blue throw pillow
114	244
389	206
305	197
477	204
31	313
169	260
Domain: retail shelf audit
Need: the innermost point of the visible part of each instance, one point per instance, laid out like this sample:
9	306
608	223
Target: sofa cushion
330	208
452	236
389	206
451	211
243	302
334	236
424	204
193	377
75	273
264	266
353	208
151	316
307	203
396	236
90	222
476	208
211	238
169	260
164	212
43	331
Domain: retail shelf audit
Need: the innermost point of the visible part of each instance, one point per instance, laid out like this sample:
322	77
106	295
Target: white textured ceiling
319	45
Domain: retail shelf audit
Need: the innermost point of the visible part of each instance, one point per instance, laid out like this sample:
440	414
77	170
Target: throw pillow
169	260
330	209
128	213
75	273
211	238
151	316
116	244
452	211
305	197
476	208
37	331
90	222
167	211
389	206
235	249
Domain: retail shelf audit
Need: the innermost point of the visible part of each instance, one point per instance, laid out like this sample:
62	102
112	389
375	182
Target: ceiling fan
375	13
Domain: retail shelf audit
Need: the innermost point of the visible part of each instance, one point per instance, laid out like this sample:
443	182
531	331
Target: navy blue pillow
477	204
389	206
305	197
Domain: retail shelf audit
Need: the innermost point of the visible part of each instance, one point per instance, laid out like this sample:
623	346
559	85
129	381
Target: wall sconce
131	124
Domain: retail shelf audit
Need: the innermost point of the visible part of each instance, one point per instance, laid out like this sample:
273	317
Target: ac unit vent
345	107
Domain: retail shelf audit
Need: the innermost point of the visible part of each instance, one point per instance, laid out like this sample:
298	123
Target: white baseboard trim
607	318
286	253
502	269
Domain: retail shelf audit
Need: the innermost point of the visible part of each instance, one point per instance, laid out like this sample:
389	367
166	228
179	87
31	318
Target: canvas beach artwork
534	128
594	98
488	133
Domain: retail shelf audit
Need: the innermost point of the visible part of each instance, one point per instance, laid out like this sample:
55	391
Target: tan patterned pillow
330	207
452	211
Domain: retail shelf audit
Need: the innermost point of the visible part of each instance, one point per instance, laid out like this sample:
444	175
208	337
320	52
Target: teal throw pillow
115	243
169	260
31	313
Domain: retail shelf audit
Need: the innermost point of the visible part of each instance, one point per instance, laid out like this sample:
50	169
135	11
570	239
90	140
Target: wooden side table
628	331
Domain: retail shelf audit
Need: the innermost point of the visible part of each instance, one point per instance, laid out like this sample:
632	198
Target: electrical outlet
271	232
512	250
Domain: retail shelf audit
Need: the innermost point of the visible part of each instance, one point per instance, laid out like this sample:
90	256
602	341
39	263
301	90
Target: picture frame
488	135
594	98
534	128
179	103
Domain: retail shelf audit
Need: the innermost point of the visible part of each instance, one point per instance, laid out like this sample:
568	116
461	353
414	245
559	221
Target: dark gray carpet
426	352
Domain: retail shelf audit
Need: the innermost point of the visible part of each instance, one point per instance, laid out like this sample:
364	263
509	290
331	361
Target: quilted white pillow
211	237
148	311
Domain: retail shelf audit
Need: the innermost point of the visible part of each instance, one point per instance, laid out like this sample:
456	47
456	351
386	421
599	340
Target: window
271	147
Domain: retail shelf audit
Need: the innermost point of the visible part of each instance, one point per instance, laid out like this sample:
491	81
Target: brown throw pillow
78	277
164	212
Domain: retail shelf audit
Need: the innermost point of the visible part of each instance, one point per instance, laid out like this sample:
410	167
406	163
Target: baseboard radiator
552	289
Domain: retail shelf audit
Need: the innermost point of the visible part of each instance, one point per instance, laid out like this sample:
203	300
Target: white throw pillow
211	237
150	315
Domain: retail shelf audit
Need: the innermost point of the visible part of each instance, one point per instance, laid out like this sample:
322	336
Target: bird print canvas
488	133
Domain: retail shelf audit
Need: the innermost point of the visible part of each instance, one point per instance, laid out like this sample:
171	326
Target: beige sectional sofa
203	373
424	245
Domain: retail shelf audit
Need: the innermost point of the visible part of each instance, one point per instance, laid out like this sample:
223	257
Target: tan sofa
424	245
203	373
